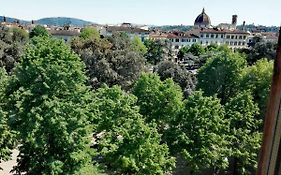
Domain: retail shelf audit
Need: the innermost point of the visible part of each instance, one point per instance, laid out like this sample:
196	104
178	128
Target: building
127	28
202	20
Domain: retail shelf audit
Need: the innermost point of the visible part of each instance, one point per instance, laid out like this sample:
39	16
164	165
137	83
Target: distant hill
9	19
61	21
58	21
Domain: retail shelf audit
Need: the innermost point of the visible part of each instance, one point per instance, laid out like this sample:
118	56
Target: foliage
7	136
127	144
257	78
89	32
182	52
201	133
169	69
260	49
245	138
159	101
157	51
12	42
138	46
196	49
111	61
38	31
48	107
221	75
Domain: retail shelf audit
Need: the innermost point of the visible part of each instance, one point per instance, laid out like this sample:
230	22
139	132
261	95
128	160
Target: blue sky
158	12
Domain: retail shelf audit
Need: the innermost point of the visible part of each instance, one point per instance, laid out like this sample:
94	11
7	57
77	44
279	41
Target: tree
110	60
7	136
38	31
127	145
201	133
89	32
138	46
12	42
245	138
159	101
182	52
157	51
221	75
196	49
257	78
169	69
48	107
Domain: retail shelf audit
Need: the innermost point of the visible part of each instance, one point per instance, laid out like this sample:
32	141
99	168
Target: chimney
234	20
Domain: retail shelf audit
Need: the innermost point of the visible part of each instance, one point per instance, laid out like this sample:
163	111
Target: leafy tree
245	139
110	60
38	31
200	133
12	42
127	144
157	51
7	136
257	78
182	52
159	101
48	107
89	32
169	69
221	75
196	49
138	46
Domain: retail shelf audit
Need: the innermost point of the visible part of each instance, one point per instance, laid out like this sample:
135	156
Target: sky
151	12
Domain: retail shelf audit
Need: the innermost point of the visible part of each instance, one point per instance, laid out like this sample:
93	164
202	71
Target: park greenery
114	105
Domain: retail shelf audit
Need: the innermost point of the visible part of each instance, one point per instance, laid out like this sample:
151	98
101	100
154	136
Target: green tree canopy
12	42
201	133
89	32
7	136
48	107
196	49
138	46
38	31
110	60
157	51
257	78
221	75
169	69
245	138
126	143
159	101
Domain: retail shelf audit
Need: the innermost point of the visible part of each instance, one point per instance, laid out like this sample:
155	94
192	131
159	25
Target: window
202	36
182	40
232	36
244	37
212	35
217	35
177	40
236	37
207	35
235	43
194	40
227	36
240	37
176	47
222	36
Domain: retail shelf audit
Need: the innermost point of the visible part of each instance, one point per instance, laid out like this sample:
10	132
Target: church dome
202	20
